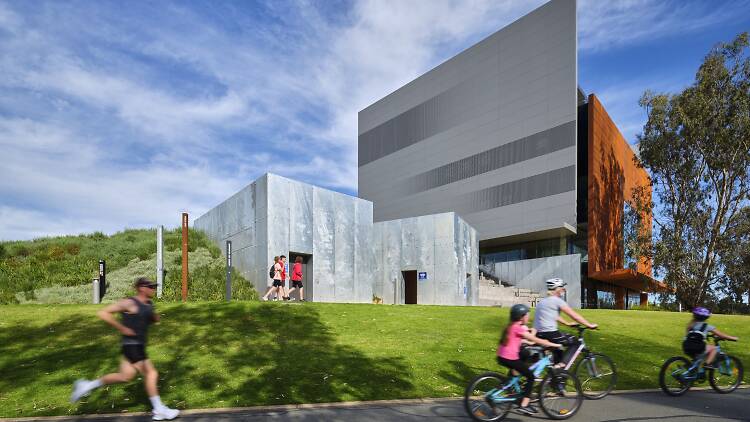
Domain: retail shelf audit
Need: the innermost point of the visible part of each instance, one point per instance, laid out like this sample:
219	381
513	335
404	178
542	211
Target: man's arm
107	314
564	321
577	317
155	317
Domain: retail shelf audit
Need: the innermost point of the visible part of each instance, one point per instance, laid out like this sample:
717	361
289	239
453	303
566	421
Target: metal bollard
95	285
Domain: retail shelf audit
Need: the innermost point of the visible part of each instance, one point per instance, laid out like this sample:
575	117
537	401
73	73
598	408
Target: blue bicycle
678	374
490	396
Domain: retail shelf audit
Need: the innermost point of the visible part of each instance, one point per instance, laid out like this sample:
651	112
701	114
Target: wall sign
422	276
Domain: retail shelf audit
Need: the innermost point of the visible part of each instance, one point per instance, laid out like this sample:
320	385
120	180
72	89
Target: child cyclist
697	332
509	349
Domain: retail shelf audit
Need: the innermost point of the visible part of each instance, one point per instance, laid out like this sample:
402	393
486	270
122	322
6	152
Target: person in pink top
509	349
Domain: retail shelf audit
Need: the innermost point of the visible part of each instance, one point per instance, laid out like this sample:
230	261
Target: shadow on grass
208	355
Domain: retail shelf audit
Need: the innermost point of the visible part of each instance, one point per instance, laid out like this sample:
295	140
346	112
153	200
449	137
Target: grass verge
250	353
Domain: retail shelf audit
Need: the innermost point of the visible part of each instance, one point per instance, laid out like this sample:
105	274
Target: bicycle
596	371
678	374
490	396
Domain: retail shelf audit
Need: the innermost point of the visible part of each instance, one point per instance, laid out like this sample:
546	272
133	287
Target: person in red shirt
297	279
282	288
508	352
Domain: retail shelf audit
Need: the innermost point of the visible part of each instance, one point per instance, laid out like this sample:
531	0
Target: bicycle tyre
740	372
548	385
662	377
613	380
471	404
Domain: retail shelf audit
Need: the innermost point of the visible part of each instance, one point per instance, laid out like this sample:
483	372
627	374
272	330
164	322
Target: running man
547	316
137	314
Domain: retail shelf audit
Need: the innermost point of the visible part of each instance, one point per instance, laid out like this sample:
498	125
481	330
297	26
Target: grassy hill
215	354
60	269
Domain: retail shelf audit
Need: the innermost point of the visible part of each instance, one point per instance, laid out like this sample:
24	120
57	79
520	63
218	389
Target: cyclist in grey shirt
547	316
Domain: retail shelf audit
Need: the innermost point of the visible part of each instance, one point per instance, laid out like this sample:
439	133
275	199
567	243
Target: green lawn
214	354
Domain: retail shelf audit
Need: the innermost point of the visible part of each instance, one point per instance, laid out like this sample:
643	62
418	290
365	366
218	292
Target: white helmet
554	283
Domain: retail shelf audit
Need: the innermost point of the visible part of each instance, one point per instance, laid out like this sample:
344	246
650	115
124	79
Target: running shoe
79	390
165	414
527	410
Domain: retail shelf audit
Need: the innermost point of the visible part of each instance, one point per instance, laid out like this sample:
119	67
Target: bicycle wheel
487	399
727	374
674	376
597	374
560	395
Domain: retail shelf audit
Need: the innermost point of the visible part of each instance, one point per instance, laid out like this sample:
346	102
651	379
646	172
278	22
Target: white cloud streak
111	120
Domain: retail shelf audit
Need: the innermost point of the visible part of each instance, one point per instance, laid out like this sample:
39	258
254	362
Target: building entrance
410	287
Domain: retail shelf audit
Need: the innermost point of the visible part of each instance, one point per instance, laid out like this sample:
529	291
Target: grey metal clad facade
490	134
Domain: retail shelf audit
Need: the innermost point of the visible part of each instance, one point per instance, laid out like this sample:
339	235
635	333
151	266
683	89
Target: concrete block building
346	257
502	135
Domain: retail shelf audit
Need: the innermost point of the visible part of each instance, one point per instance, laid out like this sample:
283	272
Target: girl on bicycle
509	349
697	332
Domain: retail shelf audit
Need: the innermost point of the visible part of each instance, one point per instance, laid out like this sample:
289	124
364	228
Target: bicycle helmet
518	311
554	283
701	314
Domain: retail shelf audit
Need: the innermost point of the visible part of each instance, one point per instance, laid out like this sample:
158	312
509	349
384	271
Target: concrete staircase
494	293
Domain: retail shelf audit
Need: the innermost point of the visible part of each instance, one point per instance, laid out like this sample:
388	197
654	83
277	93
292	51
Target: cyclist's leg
522	368
554	337
710	355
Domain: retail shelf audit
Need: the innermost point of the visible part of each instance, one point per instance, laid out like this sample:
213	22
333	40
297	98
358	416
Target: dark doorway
307	272
410	287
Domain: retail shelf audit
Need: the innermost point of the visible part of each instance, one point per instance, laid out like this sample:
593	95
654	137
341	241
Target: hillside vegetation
60	269
215	354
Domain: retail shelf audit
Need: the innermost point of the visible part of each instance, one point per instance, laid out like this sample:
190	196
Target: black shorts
297	284
278	283
134	353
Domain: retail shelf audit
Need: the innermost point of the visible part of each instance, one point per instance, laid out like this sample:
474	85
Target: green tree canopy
696	147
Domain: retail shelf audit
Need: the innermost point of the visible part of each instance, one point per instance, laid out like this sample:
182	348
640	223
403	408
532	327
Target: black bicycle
678	373
596	371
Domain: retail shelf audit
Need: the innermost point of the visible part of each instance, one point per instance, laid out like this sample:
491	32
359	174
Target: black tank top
138	322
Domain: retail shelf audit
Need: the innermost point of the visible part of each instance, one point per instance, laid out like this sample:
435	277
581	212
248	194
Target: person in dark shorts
137	314
297	279
274	284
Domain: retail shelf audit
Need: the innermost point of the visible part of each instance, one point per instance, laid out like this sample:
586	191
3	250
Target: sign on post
229	271
102	279
422	276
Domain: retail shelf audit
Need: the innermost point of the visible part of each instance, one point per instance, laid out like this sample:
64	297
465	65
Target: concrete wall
531	274
489	134
242	219
443	245
352	259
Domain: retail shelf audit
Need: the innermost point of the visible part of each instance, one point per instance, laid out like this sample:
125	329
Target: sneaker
79	390
165	414
264	299
527	410
708	366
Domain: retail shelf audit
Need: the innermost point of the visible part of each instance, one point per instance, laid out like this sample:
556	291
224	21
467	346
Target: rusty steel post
184	256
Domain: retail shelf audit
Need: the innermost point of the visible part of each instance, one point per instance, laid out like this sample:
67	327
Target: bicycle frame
514	385
696	371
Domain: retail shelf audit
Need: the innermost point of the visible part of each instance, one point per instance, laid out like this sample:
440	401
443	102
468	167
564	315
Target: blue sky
124	114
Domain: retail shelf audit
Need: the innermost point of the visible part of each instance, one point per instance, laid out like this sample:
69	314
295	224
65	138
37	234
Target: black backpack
272	271
695	341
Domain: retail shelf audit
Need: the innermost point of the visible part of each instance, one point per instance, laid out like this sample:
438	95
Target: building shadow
208	355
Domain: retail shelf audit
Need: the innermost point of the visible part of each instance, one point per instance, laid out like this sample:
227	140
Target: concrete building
501	135
346	258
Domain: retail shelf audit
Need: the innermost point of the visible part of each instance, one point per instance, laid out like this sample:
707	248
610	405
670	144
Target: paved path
699	406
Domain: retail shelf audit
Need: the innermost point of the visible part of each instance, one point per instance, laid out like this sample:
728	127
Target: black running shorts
297	284
278	283
134	353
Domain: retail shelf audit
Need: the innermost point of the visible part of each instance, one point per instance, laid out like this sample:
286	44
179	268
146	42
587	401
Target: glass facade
526	250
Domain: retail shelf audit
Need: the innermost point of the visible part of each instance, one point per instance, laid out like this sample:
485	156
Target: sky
119	115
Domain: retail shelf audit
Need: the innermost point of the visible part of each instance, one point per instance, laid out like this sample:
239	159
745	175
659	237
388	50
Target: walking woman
297	279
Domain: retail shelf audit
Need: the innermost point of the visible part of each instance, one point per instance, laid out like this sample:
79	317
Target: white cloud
109	120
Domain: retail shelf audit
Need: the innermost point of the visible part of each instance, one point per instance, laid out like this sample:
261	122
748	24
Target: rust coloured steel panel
612	175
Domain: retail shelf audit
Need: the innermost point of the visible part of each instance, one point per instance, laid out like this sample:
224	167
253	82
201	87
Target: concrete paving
699	406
